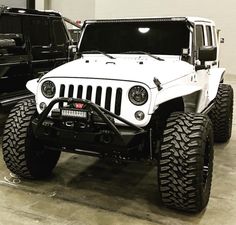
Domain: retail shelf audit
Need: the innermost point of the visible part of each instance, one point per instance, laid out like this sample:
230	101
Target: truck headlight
138	95
48	89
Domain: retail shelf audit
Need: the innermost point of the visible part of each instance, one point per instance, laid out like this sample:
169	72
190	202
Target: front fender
174	92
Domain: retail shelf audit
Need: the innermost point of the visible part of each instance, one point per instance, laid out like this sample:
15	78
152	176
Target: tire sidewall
23	154
200	144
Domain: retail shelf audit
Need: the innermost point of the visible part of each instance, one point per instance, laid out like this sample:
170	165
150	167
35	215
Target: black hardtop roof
22	11
130	20
156	19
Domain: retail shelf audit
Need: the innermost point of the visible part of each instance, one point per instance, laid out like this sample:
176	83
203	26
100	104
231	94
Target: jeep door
202	73
60	43
40	43
14	68
215	73
205	37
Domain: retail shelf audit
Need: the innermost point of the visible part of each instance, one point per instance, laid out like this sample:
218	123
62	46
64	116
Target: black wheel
185	162
22	153
221	114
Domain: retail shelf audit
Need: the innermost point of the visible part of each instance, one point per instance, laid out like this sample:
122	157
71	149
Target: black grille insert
84	92
62	94
98	95
80	91
89	93
118	101
108	98
71	91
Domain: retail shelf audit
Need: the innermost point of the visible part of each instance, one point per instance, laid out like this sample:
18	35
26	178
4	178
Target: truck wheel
221	114
185	162
22	153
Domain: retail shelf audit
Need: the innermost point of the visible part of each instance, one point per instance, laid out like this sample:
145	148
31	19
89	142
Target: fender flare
216	75
175	92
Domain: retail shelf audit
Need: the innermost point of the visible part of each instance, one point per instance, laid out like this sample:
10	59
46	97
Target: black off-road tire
185	162
22	153
221	114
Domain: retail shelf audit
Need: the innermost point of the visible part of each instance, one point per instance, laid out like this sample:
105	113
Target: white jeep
139	89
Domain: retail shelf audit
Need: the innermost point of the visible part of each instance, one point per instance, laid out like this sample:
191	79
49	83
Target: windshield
156	37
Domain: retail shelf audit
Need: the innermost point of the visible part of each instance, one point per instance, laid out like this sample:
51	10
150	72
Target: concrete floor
85	190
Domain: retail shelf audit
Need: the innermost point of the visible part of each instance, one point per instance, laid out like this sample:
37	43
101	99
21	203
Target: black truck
32	42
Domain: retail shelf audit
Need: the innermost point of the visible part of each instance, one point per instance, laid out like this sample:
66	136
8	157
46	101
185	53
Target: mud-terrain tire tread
18	144
186	138
221	114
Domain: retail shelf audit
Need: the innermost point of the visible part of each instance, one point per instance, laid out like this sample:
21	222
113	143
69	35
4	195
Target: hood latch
157	83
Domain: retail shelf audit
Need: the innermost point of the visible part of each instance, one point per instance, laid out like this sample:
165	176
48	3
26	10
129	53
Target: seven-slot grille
106	97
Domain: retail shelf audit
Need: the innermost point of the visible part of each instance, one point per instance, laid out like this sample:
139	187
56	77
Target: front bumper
102	138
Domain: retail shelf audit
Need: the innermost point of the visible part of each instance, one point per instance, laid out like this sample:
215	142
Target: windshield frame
178	19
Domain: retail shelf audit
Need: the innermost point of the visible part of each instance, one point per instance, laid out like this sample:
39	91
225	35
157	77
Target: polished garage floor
85	190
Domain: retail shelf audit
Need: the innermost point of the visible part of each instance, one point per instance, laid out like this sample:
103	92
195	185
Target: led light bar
74	113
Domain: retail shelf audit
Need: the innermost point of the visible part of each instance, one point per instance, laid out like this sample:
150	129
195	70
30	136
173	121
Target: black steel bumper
106	139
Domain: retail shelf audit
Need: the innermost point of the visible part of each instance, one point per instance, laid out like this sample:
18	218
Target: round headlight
138	95
48	89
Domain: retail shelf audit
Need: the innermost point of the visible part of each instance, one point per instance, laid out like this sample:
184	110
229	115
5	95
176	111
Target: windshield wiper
97	51
145	53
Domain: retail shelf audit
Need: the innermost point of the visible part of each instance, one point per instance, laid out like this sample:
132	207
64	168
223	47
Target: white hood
131	68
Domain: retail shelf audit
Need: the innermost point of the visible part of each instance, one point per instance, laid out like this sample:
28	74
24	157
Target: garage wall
14	3
123	8
74	9
222	12
41	4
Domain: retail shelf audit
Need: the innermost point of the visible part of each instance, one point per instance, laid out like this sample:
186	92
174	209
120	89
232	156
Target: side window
39	31
199	36
209	35
10	24
214	36
59	32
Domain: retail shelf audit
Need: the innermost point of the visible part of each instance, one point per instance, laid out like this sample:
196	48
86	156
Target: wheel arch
187	103
173	105
159	117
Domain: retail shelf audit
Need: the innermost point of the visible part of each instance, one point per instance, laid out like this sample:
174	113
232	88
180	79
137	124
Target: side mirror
72	51
207	54
11	41
7	43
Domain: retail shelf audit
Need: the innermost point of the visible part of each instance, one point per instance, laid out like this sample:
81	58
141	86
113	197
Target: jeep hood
137	69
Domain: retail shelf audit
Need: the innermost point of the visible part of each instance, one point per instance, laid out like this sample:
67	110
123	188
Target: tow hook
70	124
